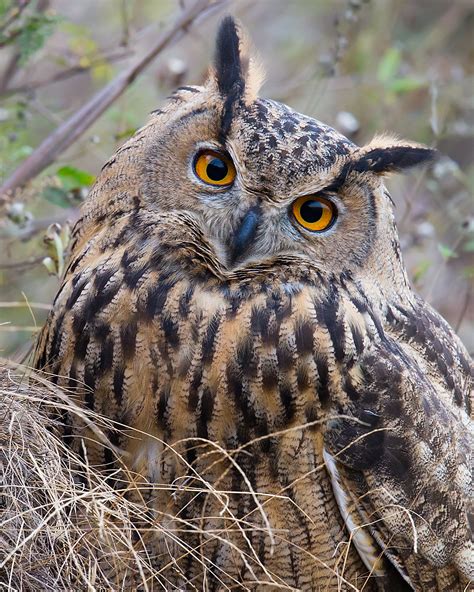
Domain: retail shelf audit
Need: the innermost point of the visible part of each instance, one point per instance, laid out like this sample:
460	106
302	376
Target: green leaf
4	6
50	265
57	196
388	66
446	252
405	85
33	35
72	178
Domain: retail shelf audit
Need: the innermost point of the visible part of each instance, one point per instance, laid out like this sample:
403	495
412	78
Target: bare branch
13	16
68	132
9	71
65	74
21	265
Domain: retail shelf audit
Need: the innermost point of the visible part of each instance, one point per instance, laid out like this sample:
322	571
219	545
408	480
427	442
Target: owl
295	416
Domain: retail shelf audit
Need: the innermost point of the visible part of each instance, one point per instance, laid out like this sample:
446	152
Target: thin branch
25	304
14	328
124	16
14	15
68	132
9	71
64	74
21	265
7	41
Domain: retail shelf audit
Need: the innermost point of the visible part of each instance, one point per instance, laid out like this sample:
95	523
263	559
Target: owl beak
244	234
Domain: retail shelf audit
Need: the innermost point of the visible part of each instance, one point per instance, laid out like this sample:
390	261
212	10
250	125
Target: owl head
251	182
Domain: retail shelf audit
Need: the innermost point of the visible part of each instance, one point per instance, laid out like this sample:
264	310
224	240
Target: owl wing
400	465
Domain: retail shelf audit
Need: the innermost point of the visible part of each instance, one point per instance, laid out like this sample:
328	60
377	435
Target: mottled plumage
192	311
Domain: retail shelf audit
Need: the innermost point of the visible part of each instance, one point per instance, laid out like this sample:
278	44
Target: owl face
260	180
265	191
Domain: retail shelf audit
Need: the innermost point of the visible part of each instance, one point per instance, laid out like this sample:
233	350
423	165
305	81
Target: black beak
245	233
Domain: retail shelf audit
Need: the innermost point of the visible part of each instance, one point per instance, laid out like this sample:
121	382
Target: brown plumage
207	315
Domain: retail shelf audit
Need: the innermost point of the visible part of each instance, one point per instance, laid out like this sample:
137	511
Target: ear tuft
388	155
237	71
236	75
228	59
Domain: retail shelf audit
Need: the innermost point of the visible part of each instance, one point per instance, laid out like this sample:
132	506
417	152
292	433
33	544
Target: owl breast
261	355
223	385
229	386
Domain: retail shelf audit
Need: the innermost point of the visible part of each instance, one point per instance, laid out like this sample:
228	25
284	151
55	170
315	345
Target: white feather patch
364	542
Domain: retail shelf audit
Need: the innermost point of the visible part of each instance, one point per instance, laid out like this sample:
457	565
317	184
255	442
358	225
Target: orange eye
214	168
314	213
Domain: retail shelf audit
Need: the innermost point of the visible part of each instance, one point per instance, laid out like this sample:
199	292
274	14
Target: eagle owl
236	300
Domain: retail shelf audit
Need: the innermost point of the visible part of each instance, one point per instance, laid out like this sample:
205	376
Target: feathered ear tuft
228	59
238	74
385	155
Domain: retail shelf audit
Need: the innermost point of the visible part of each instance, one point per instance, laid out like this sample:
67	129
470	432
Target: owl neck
384	274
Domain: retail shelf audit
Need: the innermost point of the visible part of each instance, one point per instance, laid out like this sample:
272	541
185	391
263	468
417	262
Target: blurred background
362	66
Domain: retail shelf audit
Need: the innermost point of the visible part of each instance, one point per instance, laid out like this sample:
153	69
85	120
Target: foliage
25	28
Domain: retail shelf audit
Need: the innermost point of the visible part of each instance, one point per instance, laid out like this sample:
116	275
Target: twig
14	328
64	74
9	71
10	38
19	265
125	24
14	15
25	304
68	132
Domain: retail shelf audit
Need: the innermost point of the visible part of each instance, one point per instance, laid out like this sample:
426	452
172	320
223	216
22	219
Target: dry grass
63	526
56	532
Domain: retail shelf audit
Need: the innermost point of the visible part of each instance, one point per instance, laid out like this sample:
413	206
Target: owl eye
214	168
314	213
